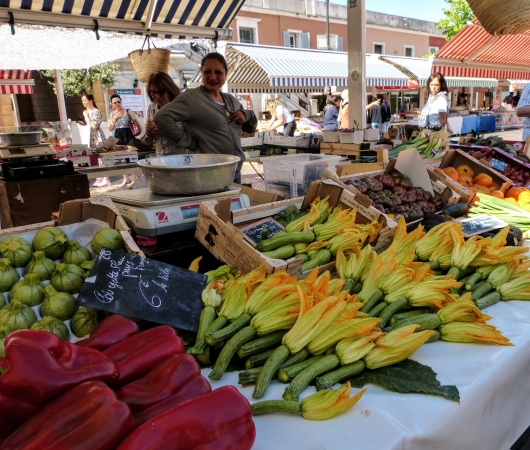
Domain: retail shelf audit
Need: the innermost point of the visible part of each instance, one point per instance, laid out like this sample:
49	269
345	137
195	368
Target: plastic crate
296	171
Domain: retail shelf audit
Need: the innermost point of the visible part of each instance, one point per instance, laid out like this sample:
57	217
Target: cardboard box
254	141
455	158
89	160
356	168
218	229
302	141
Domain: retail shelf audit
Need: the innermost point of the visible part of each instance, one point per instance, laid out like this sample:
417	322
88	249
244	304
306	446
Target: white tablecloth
493	412
455	124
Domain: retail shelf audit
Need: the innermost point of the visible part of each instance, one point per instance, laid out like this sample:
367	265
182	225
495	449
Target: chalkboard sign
498	165
481	224
253	232
143	288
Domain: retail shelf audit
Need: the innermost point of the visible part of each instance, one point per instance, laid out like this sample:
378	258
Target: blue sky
424	10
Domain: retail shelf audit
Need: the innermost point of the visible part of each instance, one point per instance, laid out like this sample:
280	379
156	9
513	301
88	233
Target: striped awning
260	69
165	18
518	84
16	82
474	53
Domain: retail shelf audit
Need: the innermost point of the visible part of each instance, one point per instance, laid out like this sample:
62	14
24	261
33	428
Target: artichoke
87	267
57	304
8	275
52	241
40	265
17	250
53	325
3	301
17	316
68	278
28	290
4	332
106	237
75	254
84	321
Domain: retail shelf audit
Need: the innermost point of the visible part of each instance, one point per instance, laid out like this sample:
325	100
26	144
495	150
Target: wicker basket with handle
150	60
500	17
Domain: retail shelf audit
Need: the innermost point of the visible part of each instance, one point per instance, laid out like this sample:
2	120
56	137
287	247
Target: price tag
438	187
498	165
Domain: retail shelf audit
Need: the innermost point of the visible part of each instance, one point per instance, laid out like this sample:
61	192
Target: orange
514	192
483	179
494	187
451	172
464	169
497	193
465	180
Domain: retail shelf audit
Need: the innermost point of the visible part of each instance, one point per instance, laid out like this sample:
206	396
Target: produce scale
151	214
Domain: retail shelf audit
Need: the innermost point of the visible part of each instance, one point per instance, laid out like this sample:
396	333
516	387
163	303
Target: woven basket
499	17
151	60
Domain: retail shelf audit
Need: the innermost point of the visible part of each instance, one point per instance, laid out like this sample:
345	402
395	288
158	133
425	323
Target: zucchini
377	309
322	256
258	359
472	280
276	406
481	289
392	308
302	380
229	350
425	321
488	300
200	347
335	376
303	257
376	297
289	372
283	252
356	288
348	284
248	376
435	337
296	358
410	313
456	210
207	318
270	367
260	344
230	330
284	238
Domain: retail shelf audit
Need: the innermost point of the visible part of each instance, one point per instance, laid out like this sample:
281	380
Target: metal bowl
189	174
23	138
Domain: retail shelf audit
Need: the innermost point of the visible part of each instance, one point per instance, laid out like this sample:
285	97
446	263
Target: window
409	50
433	49
379	48
322	42
295	39
246	35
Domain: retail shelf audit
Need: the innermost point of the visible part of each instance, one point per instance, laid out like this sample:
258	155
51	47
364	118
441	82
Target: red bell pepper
40	366
136	355
220	420
109	331
166	379
195	388
89	416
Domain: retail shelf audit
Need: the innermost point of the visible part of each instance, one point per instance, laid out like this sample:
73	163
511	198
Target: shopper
462	101
516	99
344	111
215	119
161	89
281	117
508	99
374	114
331	118
385	109
434	113
523	110
119	123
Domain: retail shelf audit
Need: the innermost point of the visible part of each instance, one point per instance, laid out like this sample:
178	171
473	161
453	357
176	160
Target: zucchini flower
275	287
516	289
403	241
349	241
432	239
311	320
312	248
324	208
329	403
211	294
398	281
502	273
220	273
335	225
335	286
280	315
321	283
442	256
396	346
194	266
465	251
374	277
430	298
304	223
461	311
353	349
473	333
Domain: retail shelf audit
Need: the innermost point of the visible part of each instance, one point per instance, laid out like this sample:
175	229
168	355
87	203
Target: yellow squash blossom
329	403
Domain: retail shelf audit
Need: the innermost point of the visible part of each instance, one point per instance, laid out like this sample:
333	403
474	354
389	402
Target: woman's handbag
134	126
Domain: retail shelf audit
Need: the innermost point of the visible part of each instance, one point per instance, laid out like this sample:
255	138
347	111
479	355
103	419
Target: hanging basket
499	17
150	60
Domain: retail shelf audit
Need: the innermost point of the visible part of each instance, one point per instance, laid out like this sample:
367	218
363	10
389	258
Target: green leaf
288	215
406	377
456	17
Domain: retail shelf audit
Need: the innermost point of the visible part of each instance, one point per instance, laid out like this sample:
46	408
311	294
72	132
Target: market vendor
434	113
281	116
523	110
214	118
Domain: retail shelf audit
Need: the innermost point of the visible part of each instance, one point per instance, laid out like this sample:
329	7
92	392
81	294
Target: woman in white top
281	116
434	113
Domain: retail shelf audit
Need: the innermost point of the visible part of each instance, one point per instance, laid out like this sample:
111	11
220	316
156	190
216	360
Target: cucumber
260	344
283	252
336	376
488	300
392	308
425	321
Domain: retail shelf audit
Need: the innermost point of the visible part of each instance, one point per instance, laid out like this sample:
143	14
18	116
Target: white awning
16	82
254	68
472	82
518	84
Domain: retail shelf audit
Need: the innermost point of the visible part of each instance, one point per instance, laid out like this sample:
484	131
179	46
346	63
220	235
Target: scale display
27	151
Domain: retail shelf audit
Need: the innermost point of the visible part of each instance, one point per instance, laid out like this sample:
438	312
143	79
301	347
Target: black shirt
375	114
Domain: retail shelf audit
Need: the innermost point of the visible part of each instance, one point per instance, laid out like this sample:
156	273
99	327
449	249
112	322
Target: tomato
451	172
497	193
514	192
483	179
464	169
465	180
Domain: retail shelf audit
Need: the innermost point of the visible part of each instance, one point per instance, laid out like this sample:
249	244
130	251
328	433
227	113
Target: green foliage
75	82
456	17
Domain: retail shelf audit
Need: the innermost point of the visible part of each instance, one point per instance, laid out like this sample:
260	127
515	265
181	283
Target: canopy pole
357	62
60	96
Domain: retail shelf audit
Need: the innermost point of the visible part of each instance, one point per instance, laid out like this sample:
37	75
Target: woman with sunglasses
119	123
161	90
215	119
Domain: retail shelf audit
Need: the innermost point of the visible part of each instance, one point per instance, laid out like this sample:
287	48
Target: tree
456	17
75	82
